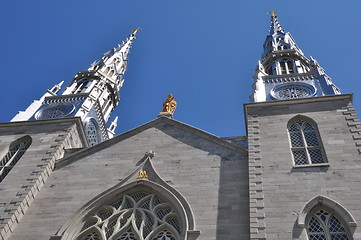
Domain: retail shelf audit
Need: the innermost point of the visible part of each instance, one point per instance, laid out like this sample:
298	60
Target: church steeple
104	77
285	73
92	95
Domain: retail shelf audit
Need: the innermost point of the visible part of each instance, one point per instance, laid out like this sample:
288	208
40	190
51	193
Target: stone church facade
65	176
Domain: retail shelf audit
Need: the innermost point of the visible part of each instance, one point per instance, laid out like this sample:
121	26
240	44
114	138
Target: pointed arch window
15	152
306	145
134	216
326	225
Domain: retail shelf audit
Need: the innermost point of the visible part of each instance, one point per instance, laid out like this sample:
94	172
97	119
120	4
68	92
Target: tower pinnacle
275	24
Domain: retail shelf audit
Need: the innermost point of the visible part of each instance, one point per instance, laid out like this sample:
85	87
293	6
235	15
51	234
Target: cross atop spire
135	31
272	12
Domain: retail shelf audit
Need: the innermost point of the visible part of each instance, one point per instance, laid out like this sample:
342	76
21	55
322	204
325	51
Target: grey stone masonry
280	190
210	173
257	224
26	179
354	124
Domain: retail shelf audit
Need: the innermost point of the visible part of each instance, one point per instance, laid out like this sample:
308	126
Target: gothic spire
285	73
92	95
106	74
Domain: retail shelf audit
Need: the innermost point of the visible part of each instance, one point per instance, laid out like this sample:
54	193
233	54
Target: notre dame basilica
65	175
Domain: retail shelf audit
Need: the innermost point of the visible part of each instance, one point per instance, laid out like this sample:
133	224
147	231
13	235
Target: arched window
286	66
290	67
324	224
133	216
16	150
305	141
283	68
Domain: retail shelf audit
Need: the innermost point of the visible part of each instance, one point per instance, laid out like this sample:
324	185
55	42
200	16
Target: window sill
312	165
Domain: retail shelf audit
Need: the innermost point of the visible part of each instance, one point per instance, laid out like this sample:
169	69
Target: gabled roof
187	128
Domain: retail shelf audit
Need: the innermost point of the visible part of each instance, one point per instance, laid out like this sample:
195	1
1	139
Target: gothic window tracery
135	216
326	225
92	132
15	152
306	144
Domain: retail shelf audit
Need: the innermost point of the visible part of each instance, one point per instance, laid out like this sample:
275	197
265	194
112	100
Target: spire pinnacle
56	87
275	24
112	127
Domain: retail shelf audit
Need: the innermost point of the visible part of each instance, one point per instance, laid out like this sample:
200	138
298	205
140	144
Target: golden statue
169	105
142	174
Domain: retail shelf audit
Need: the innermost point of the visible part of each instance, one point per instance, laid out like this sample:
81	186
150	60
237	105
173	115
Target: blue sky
204	52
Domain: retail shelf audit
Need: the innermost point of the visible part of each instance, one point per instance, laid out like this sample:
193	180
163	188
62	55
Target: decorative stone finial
169	107
150	154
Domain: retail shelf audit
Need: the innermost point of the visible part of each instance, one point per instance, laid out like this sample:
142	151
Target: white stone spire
104	77
92	95
285	73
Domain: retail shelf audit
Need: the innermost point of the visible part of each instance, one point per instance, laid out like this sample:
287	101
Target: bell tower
303	135
92	95
285	73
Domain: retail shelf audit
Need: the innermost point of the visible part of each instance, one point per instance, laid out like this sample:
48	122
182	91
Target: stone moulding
324	201
291	78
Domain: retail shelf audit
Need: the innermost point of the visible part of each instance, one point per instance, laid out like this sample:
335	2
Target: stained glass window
325	225
305	143
92	134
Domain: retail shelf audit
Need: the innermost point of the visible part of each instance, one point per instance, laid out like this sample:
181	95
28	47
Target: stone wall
24	182
210	173
284	189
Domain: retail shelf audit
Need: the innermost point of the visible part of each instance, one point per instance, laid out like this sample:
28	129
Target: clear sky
204	52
